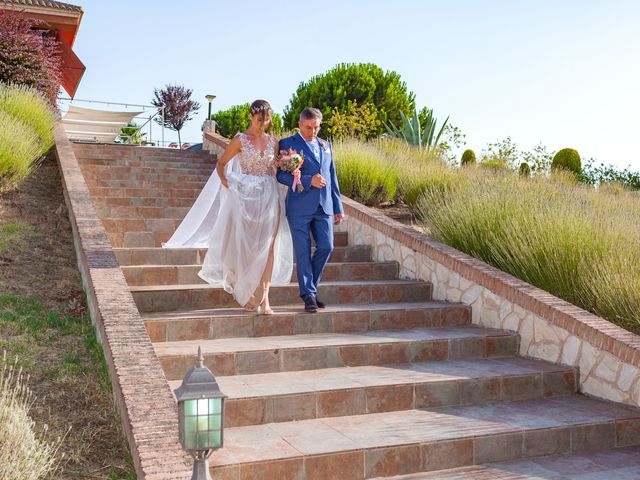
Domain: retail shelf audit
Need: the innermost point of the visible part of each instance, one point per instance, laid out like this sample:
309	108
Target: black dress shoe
310	305
320	303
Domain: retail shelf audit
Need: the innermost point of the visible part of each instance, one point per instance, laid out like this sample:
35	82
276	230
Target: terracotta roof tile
43	3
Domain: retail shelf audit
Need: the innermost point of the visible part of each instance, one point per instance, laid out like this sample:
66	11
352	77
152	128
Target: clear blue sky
565	72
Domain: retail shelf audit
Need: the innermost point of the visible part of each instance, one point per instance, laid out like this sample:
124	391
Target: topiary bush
567	159
468	157
525	170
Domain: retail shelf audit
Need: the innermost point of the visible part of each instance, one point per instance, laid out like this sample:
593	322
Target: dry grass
24	454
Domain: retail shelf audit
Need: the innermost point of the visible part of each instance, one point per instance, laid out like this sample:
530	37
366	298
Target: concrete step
104	192
140	239
427	439
188	274
165	298
169	224
142	212
192	256
332	392
151	232
134	152
115	171
142	202
243	356
88	164
291	320
614	464
133	183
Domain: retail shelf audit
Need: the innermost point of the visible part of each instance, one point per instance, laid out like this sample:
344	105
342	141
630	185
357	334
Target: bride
242	224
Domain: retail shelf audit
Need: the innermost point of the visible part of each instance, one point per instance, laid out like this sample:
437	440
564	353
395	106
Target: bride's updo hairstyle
260	107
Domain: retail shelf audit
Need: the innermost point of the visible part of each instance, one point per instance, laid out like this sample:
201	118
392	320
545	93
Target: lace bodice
254	162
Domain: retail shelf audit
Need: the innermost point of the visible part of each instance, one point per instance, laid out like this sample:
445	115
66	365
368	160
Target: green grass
61	349
14	234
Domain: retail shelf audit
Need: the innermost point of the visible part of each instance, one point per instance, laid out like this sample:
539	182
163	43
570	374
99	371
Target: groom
310	211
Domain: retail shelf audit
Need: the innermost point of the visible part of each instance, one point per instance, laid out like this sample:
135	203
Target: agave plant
423	136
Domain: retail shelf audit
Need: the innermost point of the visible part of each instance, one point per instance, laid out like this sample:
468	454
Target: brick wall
550	328
142	395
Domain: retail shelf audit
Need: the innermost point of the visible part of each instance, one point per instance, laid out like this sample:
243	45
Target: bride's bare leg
268	270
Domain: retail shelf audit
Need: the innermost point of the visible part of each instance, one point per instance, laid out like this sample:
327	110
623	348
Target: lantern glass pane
190	442
202	423
203	439
203	406
215	405
190	407
190	426
214	439
214	422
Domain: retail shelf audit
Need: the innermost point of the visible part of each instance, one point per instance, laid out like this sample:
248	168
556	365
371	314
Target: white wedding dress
238	225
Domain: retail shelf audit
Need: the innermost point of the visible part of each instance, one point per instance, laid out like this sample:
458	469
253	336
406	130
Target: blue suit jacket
307	201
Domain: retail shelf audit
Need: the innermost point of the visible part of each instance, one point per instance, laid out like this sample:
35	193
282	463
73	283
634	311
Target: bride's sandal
264	308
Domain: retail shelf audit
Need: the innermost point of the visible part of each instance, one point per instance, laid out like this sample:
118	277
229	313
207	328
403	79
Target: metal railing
134	134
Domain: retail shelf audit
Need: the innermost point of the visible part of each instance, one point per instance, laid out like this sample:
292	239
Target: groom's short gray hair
310	114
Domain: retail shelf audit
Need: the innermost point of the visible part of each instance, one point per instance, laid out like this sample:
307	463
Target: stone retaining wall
550	328
142	396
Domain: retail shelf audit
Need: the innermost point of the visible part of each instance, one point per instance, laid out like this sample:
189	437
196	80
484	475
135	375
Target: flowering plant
291	161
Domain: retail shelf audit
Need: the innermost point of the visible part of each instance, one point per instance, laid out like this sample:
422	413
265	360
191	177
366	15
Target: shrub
236	119
495	163
524	170
572	241
19	149
364	83
416	179
567	159
363	173
131	134
27	57
468	157
599	174
23	454
358	121
32	109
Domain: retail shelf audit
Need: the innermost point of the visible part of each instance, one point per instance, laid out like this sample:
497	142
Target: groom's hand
338	218
318	181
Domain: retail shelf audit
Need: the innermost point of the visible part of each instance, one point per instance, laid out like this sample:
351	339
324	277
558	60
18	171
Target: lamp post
200	416
210	98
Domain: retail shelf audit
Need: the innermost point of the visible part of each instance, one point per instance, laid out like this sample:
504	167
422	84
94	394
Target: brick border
142	395
599	332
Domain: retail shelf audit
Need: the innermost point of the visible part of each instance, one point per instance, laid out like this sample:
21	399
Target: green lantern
200	416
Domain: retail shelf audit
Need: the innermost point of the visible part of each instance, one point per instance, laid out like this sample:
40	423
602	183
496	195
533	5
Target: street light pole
210	99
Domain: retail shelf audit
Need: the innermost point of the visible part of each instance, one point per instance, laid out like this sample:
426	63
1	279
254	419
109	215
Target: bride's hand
224	182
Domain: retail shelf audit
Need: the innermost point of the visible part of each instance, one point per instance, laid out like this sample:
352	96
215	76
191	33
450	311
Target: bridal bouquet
291	161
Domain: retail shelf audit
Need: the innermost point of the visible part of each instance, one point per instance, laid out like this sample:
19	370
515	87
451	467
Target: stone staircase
384	382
